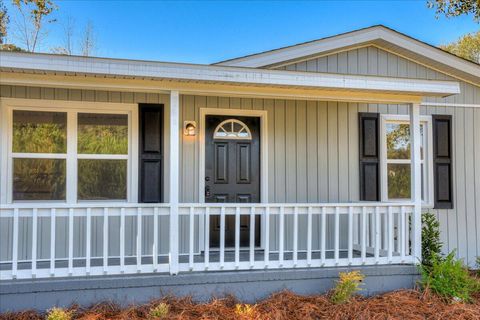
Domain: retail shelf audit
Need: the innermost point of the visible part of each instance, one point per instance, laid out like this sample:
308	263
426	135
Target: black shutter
150	180
442	161
369	136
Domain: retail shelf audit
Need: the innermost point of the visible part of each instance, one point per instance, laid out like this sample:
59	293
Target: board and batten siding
313	152
460	227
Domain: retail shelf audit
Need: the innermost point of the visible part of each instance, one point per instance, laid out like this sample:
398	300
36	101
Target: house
125	179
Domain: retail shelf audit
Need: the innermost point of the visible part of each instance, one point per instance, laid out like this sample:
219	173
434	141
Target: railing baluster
34	242
337	235
364	234
122	240
237	237
390	234
105	240
309	236
139	240
15	244
155	240
282	235
401	238
323	253
350	235
267	236
53	220
207	237
377	234
191	238
385	231
222	237
88	240
252	237
295	236
70	241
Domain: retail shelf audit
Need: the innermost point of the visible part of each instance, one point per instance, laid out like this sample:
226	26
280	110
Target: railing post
416	183
174	178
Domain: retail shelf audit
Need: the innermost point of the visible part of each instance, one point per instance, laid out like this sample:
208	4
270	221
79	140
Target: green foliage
455	8
245	311
103	139
431	244
347	286
58	314
160	311
39	138
449	279
4	20
467	47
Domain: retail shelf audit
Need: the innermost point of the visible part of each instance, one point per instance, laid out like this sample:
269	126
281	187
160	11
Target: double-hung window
70	155
396	158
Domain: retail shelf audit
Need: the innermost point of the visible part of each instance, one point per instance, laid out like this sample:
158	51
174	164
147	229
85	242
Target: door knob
207	178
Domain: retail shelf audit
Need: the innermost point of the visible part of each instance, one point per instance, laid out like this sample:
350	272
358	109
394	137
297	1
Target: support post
416	181
174	179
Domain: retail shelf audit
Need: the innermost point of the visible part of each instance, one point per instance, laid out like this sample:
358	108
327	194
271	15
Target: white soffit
118	68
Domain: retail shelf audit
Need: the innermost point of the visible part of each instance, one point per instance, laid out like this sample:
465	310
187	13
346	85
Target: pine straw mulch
403	304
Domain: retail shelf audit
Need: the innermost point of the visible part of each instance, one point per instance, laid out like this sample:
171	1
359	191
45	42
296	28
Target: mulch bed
404	304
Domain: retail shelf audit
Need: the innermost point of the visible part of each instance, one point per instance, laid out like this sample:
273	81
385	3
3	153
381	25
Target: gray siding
313	145
460	227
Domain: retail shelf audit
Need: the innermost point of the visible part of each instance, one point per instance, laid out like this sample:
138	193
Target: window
232	129
396	159
39	147
102	156
77	155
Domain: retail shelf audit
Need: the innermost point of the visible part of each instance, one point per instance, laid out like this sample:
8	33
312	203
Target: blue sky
206	32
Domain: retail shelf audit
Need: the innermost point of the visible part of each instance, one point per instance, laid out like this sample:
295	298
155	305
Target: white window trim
72	108
427	161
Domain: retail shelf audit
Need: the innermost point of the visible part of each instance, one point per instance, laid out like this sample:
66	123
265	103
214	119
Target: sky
211	31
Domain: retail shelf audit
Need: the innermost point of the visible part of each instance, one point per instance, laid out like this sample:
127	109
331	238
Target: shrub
431	245
245	311
160	311
58	314
449	279
347	286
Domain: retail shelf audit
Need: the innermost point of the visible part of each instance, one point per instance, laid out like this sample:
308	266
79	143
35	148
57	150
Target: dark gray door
232	172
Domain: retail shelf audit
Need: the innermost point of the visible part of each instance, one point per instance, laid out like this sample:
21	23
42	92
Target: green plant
160	311
431	244
449	279
58	314
347	286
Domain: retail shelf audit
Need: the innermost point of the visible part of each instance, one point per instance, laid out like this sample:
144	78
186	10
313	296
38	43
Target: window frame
72	109
427	162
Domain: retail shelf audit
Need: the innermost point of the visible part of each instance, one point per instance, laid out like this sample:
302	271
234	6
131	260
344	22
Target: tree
88	43
467	47
4	20
67	46
455	8
32	27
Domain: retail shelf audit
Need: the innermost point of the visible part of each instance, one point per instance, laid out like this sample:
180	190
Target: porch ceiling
115	74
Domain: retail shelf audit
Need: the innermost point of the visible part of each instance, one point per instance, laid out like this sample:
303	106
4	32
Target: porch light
189	128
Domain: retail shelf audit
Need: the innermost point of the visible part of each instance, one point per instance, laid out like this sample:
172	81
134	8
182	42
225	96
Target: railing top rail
52	205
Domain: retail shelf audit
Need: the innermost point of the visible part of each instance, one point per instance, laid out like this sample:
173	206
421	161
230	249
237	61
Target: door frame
262	114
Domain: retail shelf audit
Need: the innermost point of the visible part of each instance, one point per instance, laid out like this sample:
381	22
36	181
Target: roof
63	65
378	35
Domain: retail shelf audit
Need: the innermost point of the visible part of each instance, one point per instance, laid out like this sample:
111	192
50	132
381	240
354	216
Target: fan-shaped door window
232	129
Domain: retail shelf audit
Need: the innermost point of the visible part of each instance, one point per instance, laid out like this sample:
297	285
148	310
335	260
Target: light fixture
189	128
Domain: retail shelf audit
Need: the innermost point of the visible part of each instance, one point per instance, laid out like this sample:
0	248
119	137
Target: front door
232	172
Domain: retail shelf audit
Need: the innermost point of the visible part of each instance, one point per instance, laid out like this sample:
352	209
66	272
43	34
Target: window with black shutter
369	132
442	161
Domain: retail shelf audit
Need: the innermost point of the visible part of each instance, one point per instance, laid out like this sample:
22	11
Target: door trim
262	114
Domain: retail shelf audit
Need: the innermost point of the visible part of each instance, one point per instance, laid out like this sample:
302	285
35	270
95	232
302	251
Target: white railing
134	238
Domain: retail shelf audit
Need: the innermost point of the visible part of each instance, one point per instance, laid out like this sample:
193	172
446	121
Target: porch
76	235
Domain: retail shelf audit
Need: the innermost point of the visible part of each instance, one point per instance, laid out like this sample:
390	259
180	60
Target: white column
416	182
174	179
